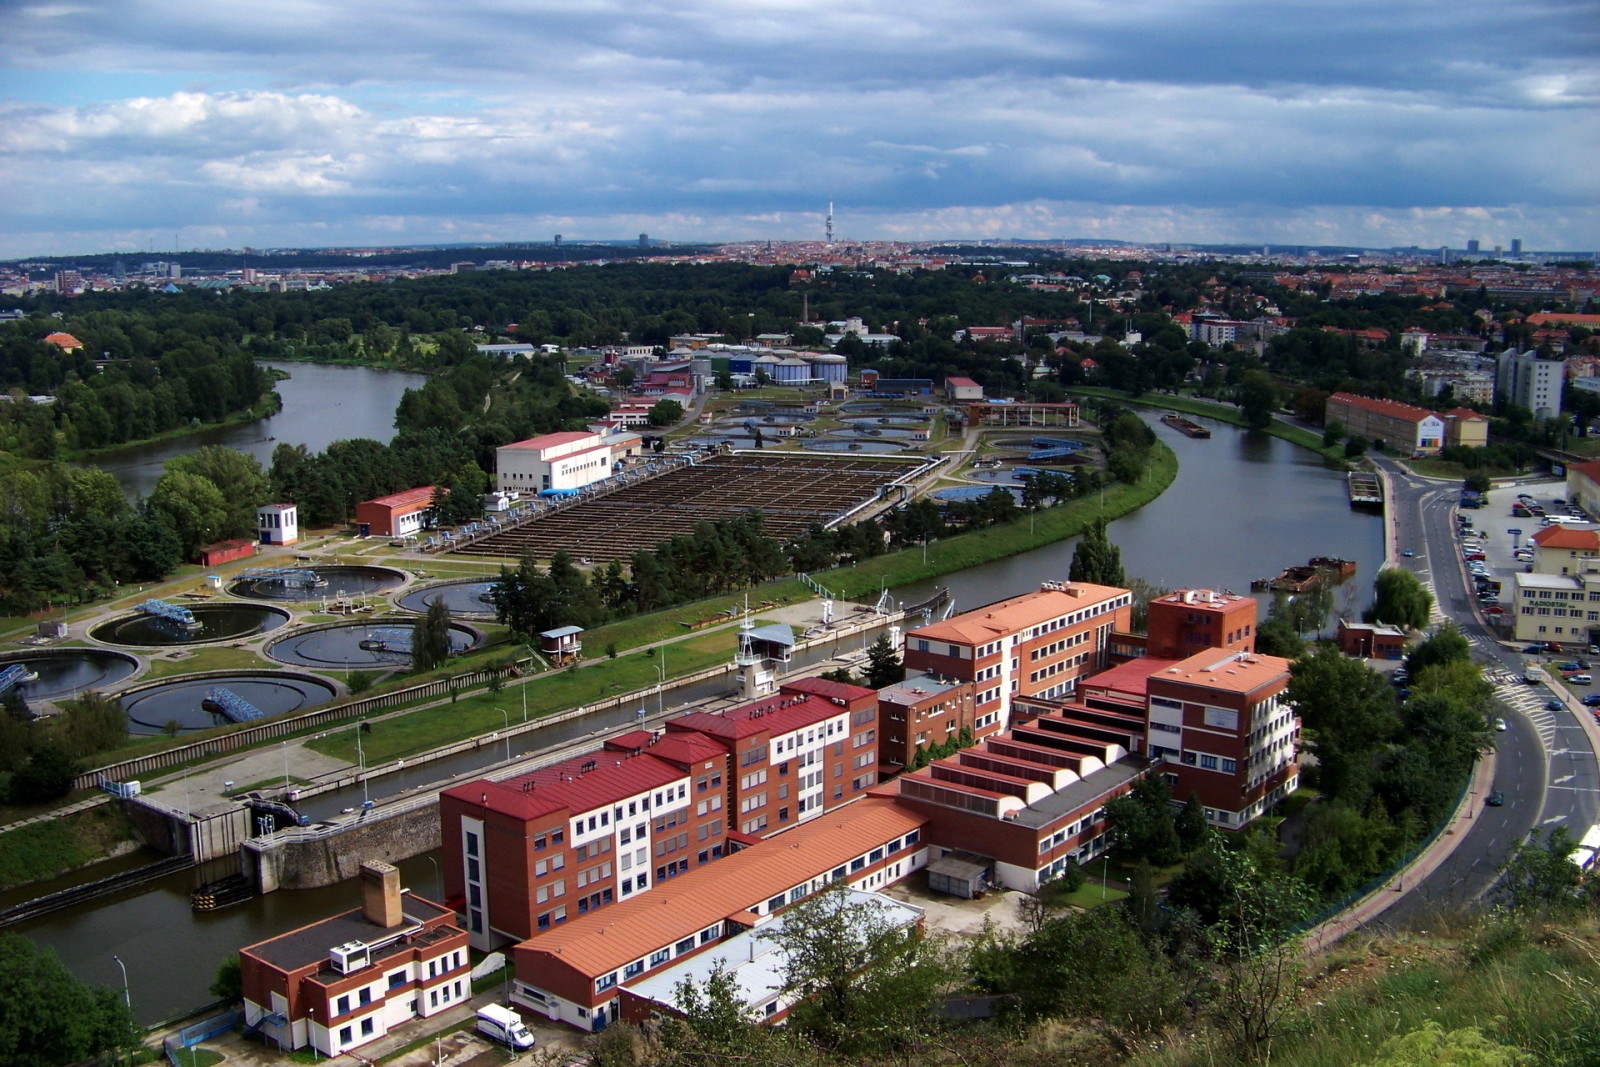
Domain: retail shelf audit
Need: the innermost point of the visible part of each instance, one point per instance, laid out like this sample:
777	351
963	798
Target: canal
322	403
1243	506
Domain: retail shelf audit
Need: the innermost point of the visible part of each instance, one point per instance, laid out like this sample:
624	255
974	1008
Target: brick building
339	983
1399	427
921	711
1037	644
397	514
1187	620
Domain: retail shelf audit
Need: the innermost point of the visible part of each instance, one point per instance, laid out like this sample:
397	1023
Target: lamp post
285	771
661	690
507	718
361	763
127	997
438	880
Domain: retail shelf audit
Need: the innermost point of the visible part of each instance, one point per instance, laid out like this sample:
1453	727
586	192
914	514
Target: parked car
1478	556
1534	649
1591	700
1494	609
1568	666
1580	679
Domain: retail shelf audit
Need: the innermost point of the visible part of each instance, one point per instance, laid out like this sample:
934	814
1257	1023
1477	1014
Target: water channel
322	403
1243	506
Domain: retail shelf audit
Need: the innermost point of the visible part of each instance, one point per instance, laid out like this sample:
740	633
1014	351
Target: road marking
1565	778
1554	818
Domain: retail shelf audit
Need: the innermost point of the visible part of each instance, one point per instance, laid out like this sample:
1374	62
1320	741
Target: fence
190	1036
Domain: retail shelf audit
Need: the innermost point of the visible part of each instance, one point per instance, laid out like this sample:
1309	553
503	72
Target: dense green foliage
51	1018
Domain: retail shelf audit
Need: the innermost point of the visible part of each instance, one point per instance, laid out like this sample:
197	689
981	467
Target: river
322	403
1243	506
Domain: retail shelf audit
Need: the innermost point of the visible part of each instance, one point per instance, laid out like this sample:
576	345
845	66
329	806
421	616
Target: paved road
1546	765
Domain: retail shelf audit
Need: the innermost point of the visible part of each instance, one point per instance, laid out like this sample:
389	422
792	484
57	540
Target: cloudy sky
135	124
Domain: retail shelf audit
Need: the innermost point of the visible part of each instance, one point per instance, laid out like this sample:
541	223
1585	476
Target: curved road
1545	765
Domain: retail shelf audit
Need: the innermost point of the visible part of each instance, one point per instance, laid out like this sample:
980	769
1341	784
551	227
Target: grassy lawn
1432	467
43	850
475	714
206	659
1090	895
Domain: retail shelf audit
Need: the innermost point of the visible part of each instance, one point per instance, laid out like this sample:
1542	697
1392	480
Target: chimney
380	894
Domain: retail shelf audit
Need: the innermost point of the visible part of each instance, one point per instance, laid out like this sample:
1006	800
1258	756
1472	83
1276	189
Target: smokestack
380	894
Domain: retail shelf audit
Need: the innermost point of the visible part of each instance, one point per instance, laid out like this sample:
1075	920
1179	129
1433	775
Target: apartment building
1037	644
347	980
1523	379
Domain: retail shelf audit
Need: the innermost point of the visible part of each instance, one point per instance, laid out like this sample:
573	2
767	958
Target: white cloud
717	115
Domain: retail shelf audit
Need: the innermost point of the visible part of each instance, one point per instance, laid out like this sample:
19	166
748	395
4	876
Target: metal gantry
235	707
163	609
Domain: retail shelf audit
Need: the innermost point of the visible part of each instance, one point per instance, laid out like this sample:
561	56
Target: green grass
43	850
1089	895
198	1056
205	659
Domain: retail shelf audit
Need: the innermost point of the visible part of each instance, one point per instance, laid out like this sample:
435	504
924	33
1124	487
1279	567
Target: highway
1545	760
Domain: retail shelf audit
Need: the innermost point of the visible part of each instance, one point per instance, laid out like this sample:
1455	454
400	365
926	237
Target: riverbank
1211	409
266	406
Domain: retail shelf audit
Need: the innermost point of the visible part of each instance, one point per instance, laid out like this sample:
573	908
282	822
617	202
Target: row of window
1045	651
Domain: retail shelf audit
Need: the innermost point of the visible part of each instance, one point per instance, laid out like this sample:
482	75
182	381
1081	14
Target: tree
1276	637
47	775
1332	433
1142	822
1190	825
1348	712
1258	399
1400	599
866	983
1444	645
237	476
1540	877
665	412
192	506
51	1017
430	637
1095	560
883	664
228	985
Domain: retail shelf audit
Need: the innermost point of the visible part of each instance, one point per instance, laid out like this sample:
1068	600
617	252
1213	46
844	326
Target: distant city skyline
132	126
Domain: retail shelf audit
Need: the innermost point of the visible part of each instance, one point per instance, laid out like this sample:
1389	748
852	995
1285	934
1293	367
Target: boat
1185	426
1299	579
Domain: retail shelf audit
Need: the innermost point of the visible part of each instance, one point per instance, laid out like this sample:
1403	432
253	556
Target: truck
505	1026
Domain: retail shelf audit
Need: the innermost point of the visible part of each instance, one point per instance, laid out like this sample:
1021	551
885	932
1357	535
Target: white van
505	1026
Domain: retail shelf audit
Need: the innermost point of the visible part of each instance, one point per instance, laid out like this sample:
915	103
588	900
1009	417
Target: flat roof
583	783
1547	581
309	944
550	440
1235	672
1019	612
1132	677
406	498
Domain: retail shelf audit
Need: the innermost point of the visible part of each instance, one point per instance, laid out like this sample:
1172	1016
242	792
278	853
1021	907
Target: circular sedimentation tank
462	598
66	672
182	700
212	622
315	583
384	643
972	493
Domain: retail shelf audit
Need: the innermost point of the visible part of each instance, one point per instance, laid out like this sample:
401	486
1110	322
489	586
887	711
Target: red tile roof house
1403	428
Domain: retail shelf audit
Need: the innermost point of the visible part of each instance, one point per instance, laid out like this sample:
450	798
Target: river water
1243	506
322	403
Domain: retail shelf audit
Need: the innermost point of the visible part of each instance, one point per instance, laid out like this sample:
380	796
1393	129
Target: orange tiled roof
1018	613
1232	671
1392	408
1559	536
65	341
604	940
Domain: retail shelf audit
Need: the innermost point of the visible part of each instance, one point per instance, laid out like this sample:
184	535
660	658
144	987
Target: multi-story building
574	974
1465	428
561	461
526	854
1566	549
1523	379
1396	426
920	712
1558	608
1217	721
340	983
1037	644
810	747
1583	485
1015	808
1185	621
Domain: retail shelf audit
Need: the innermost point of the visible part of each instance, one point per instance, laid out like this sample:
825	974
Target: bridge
162	609
232	705
289	577
15	675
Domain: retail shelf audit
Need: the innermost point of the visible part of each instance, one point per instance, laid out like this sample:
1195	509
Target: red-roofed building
397	514
959	389
1185	621
1398	427
64	341
569	460
807	749
1583	485
1465	428
526	854
1561	549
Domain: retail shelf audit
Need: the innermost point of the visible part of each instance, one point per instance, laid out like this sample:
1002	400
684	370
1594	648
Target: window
1208	763
366	1027
686	945
633	970
605	981
660	956
472	843
364	995
342	1005
397	978
346	1035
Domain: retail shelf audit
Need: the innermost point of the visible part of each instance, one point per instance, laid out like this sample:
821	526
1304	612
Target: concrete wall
200	837
297	861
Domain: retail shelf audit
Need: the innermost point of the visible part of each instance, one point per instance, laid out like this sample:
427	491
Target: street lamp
661	690
361	757
503	714
438	880
127	998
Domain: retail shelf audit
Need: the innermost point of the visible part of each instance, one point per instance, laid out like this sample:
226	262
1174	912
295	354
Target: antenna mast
830	222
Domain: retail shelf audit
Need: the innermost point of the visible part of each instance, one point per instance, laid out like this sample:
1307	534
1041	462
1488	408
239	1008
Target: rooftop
916	688
310	944
582	783
1236	672
1581	538
1132	677
604	940
1391	408
779	714
1019	612
551	440
421	495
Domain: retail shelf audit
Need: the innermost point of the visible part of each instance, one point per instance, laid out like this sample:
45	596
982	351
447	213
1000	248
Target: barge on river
1300	579
1185	426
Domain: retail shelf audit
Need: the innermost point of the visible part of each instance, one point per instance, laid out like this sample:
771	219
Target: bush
47	775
